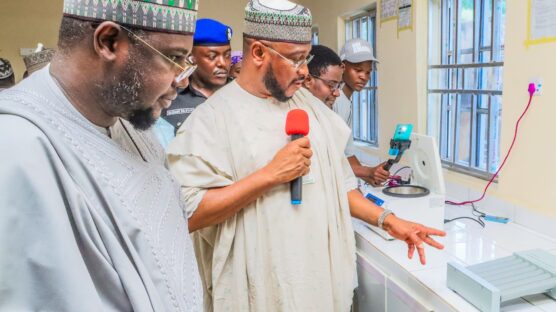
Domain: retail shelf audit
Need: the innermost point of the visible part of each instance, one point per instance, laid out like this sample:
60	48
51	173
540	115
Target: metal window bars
469	82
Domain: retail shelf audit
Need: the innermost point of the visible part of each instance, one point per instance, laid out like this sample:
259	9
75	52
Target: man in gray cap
258	250
7	77
86	224
358	58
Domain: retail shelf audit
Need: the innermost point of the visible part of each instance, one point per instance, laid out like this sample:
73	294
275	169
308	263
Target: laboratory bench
389	281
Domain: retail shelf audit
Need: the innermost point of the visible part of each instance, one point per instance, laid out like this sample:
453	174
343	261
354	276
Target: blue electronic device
496	219
379	202
402	134
399	144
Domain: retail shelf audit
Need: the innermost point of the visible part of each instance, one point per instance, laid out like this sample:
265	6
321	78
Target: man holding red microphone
258	247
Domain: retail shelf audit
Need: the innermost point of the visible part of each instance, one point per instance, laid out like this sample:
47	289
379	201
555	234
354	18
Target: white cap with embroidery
6	69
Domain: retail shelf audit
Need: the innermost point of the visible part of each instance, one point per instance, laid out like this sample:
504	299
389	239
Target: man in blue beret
212	55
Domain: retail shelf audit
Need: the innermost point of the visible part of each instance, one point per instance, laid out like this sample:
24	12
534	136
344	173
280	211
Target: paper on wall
543	19
388	10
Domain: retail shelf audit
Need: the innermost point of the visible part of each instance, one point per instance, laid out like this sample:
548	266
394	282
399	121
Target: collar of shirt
192	91
342	94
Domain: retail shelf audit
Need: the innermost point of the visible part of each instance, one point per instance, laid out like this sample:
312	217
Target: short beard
142	119
272	85
122	93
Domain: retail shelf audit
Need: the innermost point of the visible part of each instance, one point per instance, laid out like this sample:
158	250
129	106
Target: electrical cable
531	93
479	221
480	216
400	169
479	213
393	176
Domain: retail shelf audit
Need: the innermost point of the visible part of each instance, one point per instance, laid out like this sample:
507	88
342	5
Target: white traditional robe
141	143
271	256
84	224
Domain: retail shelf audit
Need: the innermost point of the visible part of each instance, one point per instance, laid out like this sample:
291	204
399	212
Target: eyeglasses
294	64
332	85
186	69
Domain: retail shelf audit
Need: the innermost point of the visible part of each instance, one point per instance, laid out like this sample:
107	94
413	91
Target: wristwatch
383	216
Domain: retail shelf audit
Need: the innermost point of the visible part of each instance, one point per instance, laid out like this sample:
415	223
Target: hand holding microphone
297	125
293	161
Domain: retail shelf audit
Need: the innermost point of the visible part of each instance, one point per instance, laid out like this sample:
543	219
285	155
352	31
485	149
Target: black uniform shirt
188	99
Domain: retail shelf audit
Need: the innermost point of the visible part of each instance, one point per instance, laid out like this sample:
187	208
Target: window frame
455	87
315	35
369	106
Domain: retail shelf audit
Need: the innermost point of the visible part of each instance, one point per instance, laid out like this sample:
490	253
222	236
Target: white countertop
466	243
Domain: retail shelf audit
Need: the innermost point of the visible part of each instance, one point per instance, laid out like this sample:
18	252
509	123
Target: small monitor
424	159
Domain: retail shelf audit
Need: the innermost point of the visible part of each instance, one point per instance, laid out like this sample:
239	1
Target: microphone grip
295	190
296	185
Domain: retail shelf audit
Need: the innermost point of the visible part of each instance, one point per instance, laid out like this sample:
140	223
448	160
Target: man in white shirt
358	58
90	220
257	250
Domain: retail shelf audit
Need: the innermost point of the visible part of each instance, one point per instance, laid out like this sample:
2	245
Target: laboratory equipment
399	143
486	285
428	209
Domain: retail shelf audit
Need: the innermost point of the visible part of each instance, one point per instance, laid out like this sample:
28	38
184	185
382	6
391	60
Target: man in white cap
7	77
358	58
86	224
37	60
256	249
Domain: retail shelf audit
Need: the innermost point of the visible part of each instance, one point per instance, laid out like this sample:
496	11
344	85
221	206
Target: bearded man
257	249
86	224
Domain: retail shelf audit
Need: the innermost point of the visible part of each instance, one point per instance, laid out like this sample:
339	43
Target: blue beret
209	32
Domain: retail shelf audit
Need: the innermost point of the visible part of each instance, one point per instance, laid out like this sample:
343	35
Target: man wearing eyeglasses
358	58
86	223
325	75
212	55
256	249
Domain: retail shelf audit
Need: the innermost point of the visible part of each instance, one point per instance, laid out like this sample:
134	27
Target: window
315	35
365	128
466	61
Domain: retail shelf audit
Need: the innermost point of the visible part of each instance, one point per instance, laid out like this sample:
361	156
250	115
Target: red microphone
297	125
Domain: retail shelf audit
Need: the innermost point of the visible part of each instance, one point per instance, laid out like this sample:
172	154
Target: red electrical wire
531	93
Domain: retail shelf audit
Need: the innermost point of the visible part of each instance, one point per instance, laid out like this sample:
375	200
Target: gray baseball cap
357	51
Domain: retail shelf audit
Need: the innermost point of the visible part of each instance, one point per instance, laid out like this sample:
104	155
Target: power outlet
538	85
